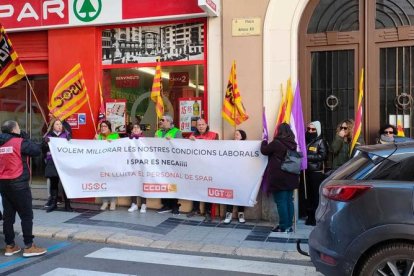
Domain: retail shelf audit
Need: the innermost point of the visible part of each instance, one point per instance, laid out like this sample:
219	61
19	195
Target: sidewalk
165	231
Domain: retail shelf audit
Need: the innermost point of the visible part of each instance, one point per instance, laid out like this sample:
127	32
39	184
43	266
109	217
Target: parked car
365	218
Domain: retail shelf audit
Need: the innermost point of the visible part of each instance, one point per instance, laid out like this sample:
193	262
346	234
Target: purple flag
265	135
298	126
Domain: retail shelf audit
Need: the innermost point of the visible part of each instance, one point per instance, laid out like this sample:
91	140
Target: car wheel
390	259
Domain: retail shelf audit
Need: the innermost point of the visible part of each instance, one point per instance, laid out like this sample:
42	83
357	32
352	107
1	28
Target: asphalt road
76	258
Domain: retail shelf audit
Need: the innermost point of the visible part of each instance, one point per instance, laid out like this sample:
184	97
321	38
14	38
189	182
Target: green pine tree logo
86	11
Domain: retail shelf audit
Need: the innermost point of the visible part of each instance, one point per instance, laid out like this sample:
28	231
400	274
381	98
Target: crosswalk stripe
79	272
204	262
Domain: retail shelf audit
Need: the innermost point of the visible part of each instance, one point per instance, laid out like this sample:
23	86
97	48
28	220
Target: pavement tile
185	246
92	235
218	249
256	252
160	244
129	240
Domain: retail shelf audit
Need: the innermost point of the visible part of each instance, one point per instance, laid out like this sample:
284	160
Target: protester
387	134
55	130
168	131
107	134
136	133
15	150
202	132
342	143
317	153
239	135
281	183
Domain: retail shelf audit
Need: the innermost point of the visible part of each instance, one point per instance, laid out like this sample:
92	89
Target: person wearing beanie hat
317	152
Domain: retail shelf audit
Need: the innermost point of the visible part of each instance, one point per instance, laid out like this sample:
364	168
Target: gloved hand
68	137
47	139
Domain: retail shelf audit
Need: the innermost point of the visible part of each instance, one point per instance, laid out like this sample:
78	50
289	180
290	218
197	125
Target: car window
369	166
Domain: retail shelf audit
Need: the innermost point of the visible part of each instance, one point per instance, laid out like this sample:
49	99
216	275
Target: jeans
285	208
17	198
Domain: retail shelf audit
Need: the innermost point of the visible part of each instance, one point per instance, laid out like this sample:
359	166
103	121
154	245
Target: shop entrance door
17	103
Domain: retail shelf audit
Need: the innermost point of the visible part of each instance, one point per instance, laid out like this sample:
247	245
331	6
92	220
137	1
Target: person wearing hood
15	150
317	152
281	183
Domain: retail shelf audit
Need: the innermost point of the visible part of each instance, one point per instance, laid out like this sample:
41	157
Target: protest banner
227	172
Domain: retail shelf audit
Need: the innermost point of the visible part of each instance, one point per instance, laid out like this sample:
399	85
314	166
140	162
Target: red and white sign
179	79
33	13
127	81
48	14
211	7
73	121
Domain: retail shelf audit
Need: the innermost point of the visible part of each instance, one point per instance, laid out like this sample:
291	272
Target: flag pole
37	101
90	109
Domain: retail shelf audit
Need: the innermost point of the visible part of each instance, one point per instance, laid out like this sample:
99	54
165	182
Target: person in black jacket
281	183
317	151
15	150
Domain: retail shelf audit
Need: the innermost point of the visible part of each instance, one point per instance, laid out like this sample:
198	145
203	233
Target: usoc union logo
87	10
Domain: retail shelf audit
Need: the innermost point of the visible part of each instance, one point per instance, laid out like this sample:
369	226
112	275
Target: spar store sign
48	14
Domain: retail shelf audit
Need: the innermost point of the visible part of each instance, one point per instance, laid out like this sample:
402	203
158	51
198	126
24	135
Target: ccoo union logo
94	187
87	10
220	193
159	188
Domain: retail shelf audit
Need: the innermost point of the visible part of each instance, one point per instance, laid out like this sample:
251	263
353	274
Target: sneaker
34	251
207	218
104	205
48	203
289	230
241	217
164	209
143	208
228	218
277	229
193	213
112	207
176	210
133	208
10	250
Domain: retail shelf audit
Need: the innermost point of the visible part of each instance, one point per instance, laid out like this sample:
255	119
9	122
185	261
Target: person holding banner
15	150
202	132
136	133
55	130
239	135
168	131
106	133
281	183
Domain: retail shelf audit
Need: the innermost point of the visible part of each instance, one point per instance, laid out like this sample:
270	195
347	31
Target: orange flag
233	109
11	70
156	96
69	95
282	110
359	113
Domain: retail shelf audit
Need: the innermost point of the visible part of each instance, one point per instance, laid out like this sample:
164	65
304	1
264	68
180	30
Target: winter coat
317	152
50	169
340	150
28	149
276	151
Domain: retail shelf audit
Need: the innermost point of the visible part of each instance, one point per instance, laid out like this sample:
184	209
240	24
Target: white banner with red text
227	172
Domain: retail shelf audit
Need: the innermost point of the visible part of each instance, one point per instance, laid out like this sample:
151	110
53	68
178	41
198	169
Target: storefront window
129	56
183	94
